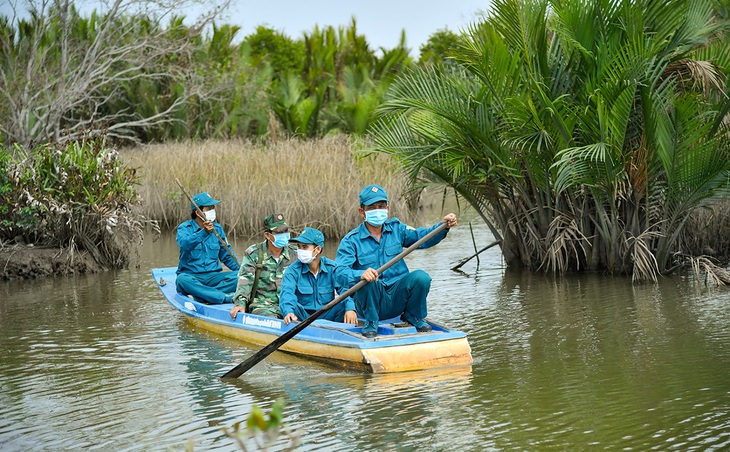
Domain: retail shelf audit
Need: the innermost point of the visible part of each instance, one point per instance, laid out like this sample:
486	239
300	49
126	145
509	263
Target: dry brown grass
707	232
314	183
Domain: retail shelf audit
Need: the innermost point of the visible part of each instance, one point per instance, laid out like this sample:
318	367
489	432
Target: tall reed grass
314	183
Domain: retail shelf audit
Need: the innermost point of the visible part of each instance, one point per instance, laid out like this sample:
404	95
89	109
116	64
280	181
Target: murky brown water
583	362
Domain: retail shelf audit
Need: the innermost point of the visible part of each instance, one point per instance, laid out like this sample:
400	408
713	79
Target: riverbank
29	262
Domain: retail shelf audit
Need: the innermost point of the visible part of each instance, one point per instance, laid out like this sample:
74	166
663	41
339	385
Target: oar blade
242	368
269	349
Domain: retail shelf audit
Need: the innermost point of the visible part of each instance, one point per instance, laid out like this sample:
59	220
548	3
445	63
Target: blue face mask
281	240
376	217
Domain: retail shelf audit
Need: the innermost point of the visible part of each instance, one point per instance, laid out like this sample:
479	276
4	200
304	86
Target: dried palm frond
566	245
645	266
714	275
698	74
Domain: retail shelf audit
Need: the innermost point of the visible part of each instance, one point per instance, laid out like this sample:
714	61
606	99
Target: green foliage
78	195
6	190
262	430
152	81
272	47
359	96
341	84
439	47
297	107
585	133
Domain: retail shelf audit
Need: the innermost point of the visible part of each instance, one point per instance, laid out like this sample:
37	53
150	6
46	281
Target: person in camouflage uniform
277	255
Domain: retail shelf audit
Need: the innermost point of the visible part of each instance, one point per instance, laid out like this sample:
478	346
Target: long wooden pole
199	212
279	341
467	259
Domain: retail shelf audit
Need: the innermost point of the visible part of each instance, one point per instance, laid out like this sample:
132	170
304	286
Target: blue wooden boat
398	347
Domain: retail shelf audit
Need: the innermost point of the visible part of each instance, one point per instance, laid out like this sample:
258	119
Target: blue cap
372	194
310	235
202	200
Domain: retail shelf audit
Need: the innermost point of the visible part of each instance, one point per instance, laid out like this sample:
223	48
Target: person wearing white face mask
199	271
398	291
259	279
313	281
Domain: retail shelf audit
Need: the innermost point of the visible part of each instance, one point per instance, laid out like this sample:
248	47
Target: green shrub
80	196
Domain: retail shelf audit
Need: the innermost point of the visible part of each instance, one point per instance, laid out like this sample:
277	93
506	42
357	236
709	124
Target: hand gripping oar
199	212
279	341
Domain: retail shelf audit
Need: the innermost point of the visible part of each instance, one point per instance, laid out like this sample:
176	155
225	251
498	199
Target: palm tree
584	132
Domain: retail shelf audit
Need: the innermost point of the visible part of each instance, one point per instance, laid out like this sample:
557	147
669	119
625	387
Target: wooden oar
199	212
279	341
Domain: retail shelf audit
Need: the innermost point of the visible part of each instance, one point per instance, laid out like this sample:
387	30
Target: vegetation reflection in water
597	362
560	363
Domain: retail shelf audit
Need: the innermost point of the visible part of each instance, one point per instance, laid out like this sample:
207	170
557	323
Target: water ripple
584	362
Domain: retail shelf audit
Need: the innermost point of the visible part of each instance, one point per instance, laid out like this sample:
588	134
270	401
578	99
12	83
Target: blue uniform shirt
299	286
200	251
359	250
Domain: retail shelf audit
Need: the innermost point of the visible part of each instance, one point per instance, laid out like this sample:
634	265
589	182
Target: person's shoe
370	329
421	325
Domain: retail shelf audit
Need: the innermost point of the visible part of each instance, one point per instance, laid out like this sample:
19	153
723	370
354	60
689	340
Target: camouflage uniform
269	286
268	289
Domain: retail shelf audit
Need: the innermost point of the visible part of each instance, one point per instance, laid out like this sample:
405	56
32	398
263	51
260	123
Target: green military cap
274	221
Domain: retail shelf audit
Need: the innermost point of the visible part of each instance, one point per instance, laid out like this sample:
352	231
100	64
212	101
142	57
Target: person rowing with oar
201	240
397	292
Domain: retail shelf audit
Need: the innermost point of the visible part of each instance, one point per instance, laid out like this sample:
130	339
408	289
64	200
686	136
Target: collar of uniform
284	252
192	224
364	233
323	266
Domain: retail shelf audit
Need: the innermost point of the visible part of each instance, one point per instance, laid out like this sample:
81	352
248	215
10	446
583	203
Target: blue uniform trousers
336	314
210	287
407	296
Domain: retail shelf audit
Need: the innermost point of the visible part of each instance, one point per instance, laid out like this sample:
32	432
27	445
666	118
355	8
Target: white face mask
210	215
305	256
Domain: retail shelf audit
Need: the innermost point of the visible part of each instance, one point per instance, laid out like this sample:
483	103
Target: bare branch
52	89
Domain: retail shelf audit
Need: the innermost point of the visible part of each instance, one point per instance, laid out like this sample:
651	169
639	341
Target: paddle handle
279	341
198	211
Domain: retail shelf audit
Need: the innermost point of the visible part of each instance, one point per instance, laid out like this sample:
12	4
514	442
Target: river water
580	362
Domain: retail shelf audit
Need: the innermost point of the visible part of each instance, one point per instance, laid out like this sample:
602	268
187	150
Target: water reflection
580	362
362	410
591	359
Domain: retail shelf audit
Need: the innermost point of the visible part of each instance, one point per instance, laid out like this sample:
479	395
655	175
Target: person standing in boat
199	271
311	282
259	279
397	292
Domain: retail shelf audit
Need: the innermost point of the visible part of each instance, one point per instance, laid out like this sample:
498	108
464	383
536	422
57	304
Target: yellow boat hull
396	358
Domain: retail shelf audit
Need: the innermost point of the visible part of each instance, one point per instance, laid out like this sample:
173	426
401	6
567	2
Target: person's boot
370	329
421	325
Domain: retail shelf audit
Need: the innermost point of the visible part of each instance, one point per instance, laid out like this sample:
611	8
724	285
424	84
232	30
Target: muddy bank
28	262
